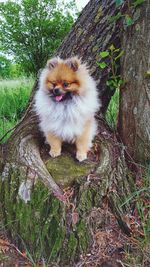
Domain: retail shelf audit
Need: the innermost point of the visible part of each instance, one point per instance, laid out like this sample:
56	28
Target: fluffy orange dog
66	102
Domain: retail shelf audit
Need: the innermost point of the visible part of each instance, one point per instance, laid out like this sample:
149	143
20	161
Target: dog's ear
52	63
73	63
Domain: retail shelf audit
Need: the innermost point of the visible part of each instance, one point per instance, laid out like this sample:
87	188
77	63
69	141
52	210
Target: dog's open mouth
59	98
62	97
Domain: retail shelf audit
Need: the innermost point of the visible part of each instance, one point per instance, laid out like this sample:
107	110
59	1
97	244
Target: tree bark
134	112
93	33
61	230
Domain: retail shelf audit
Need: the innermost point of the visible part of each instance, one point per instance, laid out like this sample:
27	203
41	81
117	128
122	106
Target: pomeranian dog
66	102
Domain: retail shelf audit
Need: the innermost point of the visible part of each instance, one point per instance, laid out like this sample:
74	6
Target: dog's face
61	80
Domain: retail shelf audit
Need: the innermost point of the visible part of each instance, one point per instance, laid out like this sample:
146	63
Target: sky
81	3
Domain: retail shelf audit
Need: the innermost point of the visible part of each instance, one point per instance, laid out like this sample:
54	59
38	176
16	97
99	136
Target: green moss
41	225
85	203
83	236
79	32
72	246
99	14
56	238
91	38
95	48
65	169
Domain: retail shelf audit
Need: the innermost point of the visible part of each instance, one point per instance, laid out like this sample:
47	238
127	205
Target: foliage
109	59
5	67
31	30
13	101
9	69
128	15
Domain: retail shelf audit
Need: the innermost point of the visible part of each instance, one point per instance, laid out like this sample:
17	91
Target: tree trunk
92	34
61	230
134	112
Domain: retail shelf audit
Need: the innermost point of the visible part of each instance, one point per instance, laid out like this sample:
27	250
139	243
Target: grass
139	256
14	95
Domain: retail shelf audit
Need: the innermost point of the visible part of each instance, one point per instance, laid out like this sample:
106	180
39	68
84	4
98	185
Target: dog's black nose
56	91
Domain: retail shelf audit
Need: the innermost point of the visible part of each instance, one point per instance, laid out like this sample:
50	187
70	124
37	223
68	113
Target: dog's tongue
58	97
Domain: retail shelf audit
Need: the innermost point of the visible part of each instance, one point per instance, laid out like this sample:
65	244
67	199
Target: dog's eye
65	84
54	84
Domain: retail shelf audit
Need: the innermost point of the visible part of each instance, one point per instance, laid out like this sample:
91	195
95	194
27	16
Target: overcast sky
81	3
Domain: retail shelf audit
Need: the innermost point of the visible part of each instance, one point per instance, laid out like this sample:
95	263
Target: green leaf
112	47
102	65
138	2
115	18
104	54
110	84
121	82
119	55
148	72
129	20
119	2
117	50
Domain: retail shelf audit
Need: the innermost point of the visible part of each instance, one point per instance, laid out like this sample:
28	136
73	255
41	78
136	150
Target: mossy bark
44	225
60	231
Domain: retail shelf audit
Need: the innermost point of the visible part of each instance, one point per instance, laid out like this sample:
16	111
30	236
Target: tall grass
139	200
14	95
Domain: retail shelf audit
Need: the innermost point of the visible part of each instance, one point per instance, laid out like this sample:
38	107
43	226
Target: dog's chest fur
65	119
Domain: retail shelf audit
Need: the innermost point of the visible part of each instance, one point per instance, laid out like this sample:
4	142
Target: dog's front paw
54	153
81	156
